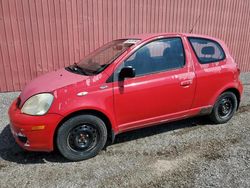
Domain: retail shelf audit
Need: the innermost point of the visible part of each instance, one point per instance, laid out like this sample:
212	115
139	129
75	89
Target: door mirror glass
127	72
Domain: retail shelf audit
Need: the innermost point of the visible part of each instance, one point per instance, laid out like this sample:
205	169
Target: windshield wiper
77	68
83	71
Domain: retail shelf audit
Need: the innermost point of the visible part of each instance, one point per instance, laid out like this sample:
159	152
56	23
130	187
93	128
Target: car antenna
191	30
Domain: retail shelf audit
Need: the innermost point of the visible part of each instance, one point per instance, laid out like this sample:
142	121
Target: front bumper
34	133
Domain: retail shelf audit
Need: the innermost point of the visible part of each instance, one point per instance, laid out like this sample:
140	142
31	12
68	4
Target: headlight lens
38	104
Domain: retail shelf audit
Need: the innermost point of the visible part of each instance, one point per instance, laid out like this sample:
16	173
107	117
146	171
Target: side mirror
127	72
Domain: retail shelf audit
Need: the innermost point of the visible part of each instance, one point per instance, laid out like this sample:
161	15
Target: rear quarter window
206	50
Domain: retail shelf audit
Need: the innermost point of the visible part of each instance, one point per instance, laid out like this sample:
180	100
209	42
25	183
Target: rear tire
224	108
81	137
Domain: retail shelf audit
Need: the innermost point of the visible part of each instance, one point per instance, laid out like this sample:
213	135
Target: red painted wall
37	36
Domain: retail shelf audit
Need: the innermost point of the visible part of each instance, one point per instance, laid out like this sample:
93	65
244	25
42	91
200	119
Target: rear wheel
81	137
224	108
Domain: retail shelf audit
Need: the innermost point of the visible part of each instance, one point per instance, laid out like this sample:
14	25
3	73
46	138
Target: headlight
38	104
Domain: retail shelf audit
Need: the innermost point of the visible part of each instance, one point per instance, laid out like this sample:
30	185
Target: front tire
81	137
224	108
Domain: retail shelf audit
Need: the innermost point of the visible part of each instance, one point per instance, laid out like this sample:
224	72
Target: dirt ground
187	153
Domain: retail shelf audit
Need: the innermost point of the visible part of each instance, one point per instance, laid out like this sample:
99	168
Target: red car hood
50	82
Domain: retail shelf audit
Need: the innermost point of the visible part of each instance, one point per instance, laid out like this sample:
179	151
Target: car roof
146	36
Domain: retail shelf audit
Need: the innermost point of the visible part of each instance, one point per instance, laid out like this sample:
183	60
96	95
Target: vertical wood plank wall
38	36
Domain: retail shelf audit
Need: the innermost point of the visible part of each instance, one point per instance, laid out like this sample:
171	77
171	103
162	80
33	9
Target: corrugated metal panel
38	36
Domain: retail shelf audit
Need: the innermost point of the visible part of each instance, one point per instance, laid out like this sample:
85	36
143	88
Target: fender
97	110
231	85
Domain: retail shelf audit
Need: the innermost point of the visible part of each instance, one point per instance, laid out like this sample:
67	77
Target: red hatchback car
126	84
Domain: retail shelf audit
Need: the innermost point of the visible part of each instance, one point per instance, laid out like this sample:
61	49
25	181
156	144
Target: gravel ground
187	153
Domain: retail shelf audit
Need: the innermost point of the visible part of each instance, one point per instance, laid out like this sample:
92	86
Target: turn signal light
39	127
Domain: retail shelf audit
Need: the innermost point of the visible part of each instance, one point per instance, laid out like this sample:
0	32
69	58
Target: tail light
18	102
238	69
237	74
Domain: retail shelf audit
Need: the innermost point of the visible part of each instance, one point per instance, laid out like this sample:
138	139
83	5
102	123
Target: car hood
49	82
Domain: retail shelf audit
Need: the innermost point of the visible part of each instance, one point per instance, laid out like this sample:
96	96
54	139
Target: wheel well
237	94
92	112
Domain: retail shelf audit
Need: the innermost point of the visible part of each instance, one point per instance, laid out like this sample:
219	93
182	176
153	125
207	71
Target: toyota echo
126	84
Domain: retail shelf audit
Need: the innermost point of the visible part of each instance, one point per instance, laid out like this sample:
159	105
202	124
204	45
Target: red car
126	84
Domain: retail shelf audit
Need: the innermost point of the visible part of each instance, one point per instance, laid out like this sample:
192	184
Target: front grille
22	138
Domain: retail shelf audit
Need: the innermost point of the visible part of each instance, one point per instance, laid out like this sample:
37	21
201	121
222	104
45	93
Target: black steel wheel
224	108
81	137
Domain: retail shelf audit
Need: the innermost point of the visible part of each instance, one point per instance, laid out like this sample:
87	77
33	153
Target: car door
163	87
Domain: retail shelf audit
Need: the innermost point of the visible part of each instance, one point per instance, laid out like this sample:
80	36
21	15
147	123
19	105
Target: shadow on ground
10	151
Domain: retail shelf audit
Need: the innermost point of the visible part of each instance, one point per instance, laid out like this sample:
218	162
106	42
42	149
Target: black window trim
207	62
111	78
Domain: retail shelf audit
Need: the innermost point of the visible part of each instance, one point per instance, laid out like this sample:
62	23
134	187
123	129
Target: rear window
206	50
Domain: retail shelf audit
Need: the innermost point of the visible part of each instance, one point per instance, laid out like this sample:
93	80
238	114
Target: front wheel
81	137
224	108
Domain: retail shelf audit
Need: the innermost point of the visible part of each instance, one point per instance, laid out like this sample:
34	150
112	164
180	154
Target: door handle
186	83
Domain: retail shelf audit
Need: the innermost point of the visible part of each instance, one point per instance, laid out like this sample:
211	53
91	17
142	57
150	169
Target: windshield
98	60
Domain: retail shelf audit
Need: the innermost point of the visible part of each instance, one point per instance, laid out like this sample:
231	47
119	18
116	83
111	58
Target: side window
159	55
207	51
